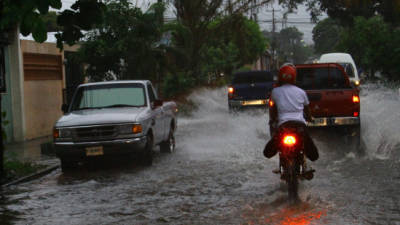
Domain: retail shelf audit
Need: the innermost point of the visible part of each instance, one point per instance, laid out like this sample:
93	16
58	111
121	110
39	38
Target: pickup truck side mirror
64	108
157	103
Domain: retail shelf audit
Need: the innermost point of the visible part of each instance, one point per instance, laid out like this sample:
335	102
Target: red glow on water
299	214
303	219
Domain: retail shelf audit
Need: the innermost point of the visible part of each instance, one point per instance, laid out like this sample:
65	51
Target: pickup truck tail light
271	103
356	99
356	114
230	92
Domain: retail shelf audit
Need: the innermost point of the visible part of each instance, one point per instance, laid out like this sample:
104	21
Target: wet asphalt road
218	176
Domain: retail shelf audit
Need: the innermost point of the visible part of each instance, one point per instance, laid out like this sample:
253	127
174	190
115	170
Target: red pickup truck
334	102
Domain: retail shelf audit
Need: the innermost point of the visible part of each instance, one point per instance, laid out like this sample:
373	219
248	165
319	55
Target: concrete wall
42	98
16	87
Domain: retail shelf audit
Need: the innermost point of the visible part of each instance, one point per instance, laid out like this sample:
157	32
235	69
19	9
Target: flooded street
218	175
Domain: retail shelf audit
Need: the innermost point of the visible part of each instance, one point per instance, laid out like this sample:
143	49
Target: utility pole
273	44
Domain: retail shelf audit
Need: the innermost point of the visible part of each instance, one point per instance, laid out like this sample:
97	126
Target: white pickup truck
114	118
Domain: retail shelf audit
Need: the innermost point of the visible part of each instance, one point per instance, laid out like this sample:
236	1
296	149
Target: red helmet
287	74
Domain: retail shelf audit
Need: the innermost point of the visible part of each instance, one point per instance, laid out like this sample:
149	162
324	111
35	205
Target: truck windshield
109	95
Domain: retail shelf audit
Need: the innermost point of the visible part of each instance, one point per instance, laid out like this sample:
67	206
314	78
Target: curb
32	176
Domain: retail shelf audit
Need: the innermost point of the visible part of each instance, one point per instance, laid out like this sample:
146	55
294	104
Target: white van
344	60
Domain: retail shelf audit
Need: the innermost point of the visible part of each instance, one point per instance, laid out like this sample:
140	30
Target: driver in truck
288	106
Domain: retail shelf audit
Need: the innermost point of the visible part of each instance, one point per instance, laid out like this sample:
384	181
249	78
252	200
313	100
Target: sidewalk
35	151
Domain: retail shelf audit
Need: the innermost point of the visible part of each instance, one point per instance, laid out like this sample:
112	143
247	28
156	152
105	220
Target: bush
175	84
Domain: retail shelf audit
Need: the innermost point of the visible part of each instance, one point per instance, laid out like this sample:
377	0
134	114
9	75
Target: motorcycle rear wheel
292	182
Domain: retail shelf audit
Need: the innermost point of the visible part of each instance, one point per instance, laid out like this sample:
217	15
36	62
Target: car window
152	96
102	96
248	78
348	68
337	78
305	78
320	78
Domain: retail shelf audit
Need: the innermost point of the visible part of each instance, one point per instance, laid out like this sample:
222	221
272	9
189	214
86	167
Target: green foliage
233	42
368	41
30	15
326	35
174	84
15	169
290	45
346	11
127	44
50	21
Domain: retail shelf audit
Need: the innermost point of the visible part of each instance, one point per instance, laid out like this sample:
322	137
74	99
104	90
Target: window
109	95
249	77
348	68
320	78
152	96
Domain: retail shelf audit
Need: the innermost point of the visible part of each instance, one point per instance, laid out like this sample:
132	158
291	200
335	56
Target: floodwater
218	175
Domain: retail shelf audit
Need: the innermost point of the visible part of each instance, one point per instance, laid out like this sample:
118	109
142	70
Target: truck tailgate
252	91
328	103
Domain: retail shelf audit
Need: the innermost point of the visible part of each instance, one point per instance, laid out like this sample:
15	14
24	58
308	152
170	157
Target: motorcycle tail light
289	140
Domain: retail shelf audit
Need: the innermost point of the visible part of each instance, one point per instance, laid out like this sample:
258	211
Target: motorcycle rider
289	105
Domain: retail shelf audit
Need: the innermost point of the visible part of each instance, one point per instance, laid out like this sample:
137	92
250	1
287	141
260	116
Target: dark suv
250	89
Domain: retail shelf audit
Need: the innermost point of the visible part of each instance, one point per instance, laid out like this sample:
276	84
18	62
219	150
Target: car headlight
131	129
62	133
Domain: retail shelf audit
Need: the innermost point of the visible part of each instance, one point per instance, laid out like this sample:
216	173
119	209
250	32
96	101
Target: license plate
93	151
255	102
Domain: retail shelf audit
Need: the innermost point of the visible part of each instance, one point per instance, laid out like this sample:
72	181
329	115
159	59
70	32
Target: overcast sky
299	19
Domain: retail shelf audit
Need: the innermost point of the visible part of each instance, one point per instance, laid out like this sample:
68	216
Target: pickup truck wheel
354	138
168	146
147	155
67	165
233	109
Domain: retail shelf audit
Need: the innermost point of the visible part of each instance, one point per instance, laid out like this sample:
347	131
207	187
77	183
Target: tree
28	15
233	42
50	21
368	41
127	45
326	35
346	11
290	45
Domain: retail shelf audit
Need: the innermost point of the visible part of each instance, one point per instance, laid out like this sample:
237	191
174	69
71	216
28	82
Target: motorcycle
292	162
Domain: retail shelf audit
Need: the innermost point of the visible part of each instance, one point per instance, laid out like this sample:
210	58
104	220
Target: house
35	78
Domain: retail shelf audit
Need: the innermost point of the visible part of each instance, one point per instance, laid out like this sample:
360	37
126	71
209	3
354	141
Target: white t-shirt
290	101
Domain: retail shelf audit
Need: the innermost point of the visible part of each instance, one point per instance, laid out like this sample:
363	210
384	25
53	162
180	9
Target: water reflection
7	215
279	212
